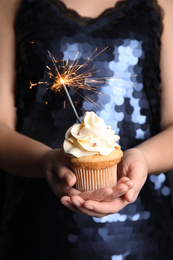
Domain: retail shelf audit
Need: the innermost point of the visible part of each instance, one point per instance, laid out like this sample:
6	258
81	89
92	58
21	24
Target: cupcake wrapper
88	180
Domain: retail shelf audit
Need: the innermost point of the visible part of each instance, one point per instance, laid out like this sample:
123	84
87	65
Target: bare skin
89	8
31	158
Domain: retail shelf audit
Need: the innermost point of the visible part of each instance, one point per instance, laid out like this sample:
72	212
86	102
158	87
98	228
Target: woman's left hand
132	174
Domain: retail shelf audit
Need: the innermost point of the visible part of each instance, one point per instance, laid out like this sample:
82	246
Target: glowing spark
72	74
35	84
48	67
32	42
64	86
62	81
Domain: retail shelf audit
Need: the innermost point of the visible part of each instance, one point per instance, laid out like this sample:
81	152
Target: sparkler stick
64	86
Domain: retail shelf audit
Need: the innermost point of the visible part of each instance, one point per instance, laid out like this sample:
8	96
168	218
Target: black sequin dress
35	225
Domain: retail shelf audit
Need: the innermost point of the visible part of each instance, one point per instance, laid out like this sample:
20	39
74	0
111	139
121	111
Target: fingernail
130	196
90	207
66	204
76	203
69	178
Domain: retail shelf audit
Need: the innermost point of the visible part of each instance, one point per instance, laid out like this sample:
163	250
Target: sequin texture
128	100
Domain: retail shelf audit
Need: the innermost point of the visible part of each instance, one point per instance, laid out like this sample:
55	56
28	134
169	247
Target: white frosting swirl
90	137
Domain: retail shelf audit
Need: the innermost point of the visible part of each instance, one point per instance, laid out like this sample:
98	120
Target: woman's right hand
57	173
61	179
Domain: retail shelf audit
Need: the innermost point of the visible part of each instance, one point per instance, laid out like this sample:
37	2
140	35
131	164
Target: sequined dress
35	225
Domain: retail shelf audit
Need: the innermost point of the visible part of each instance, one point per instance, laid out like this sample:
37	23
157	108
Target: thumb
66	175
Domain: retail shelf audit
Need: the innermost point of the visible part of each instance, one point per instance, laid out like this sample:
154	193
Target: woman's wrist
147	152
136	154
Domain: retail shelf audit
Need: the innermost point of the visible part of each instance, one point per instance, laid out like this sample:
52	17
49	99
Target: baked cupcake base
89	179
96	171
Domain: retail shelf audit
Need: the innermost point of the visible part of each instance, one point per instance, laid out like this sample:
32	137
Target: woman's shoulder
166	5
10	3
167	11
8	10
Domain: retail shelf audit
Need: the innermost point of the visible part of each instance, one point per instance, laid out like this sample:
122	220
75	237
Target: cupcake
93	153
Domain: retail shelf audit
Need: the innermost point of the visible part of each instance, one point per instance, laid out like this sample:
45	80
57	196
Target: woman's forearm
21	155
158	151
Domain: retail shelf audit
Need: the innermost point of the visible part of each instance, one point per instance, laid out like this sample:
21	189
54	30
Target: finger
123	185
78	203
97	195
139	181
65	174
131	195
106	207
66	201
77	207
101	194
118	191
127	181
59	187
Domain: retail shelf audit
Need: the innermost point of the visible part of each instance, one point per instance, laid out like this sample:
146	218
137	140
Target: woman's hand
132	174
134	166
57	173
61	179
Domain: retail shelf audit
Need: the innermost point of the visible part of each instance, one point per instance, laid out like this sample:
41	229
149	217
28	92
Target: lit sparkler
70	75
62	82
